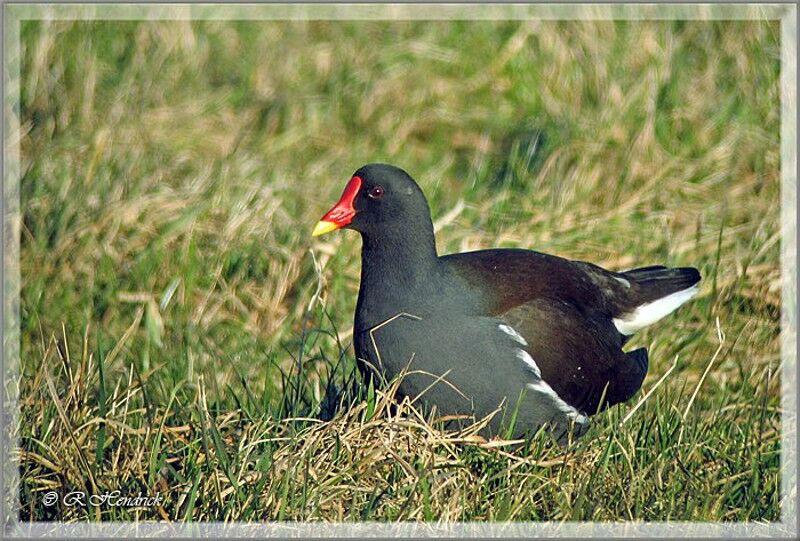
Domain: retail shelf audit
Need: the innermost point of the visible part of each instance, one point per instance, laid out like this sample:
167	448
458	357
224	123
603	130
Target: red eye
376	192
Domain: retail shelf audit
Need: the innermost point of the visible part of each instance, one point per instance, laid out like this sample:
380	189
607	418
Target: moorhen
535	335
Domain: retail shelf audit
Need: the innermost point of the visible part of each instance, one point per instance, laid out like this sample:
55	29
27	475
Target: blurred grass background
174	322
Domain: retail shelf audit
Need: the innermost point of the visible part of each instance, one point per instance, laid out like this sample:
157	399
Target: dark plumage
503	327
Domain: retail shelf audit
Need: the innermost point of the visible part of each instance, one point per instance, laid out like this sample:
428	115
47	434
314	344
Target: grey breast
467	365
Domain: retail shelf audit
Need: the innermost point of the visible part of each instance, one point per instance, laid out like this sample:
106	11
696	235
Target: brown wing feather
580	359
507	278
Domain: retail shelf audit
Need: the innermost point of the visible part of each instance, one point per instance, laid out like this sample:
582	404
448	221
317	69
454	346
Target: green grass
177	337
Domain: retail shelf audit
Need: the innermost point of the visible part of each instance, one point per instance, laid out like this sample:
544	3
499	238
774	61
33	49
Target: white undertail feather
650	312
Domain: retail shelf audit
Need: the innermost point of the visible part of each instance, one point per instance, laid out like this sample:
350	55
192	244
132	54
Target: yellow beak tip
323	227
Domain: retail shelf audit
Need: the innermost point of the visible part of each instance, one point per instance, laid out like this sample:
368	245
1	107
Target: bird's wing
580	360
506	278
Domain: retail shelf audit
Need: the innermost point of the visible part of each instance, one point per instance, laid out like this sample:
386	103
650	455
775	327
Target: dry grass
375	459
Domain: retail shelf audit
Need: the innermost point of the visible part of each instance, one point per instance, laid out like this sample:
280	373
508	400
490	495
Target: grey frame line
786	13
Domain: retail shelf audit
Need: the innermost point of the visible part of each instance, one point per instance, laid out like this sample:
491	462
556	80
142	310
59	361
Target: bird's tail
657	291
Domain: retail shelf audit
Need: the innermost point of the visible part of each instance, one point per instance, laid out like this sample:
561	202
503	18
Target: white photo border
13	14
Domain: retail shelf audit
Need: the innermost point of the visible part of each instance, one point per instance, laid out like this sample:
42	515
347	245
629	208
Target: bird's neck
399	258
399	272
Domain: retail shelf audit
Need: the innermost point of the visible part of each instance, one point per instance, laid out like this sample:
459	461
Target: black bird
534	334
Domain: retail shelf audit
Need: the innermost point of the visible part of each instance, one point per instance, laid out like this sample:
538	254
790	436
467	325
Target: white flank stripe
568	410
513	334
528	360
649	313
623	281
543	387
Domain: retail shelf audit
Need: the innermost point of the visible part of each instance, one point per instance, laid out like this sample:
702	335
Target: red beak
342	212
